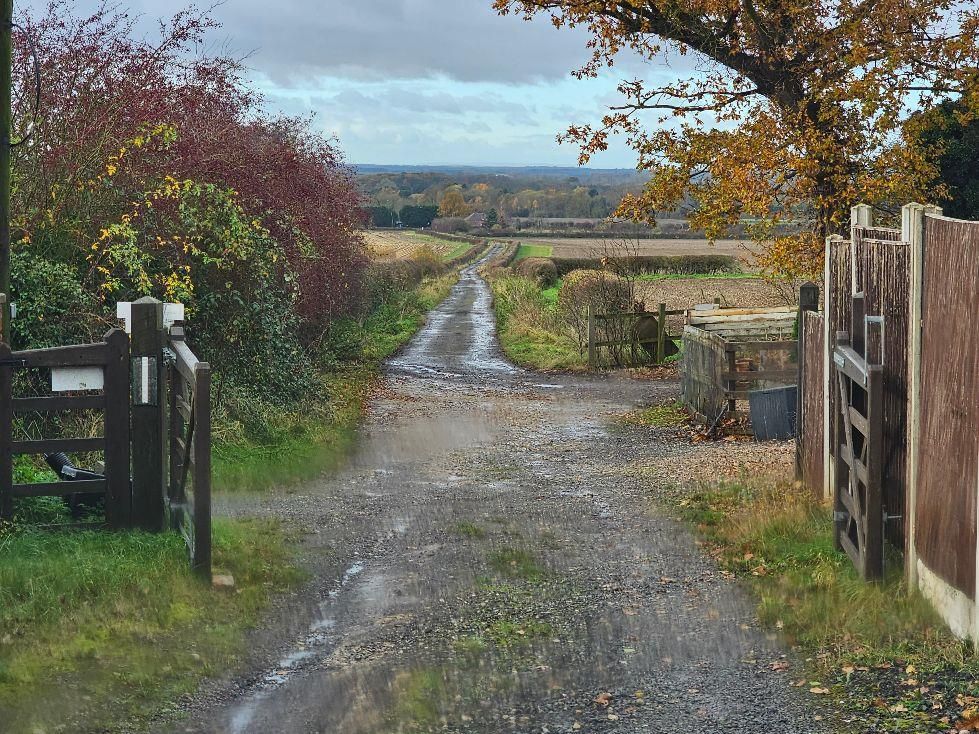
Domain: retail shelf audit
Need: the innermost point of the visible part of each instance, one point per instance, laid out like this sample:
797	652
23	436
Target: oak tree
792	110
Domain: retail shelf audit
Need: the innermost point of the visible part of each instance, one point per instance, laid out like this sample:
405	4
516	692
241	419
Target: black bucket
773	413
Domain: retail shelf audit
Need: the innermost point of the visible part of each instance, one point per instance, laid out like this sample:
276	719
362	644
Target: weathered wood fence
727	353
631	337
906	295
153	395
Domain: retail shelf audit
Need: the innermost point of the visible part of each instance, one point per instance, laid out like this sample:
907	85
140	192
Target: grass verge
97	629
878	651
530	332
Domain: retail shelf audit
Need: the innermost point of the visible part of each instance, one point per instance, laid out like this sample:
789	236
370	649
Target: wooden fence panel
701	372
811	426
883	262
945	507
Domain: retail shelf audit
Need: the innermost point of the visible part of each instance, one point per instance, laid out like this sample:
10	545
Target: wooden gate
111	357
858	443
189	488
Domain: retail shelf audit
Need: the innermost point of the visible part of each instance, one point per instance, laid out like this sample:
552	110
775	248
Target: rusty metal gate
857	445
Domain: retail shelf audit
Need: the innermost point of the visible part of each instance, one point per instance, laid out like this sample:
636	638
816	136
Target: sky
415	81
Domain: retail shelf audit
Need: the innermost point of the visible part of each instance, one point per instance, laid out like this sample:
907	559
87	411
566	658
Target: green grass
528	329
469	530
458	251
663	415
516	563
98	628
780	539
531	250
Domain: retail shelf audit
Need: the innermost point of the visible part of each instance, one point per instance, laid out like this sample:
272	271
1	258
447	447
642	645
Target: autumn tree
793	110
453	204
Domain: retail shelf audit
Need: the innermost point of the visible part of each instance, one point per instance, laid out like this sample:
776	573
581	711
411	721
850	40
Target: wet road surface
488	562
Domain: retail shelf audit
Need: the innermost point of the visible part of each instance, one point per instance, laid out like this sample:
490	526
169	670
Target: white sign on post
70	379
172	313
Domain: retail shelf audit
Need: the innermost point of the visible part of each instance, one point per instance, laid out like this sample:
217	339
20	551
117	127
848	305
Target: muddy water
488	563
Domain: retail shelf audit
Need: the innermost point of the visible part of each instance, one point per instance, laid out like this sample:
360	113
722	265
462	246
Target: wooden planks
700	372
811	465
947	462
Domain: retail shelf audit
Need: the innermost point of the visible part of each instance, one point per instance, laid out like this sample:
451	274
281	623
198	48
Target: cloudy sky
415	81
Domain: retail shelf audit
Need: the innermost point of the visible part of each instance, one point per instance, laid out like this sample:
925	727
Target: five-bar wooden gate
189	488
858	440
111	356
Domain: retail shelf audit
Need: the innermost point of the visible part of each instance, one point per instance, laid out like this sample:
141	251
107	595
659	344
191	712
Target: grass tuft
469	530
664	415
516	563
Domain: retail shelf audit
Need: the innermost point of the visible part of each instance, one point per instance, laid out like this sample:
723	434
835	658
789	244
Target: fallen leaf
603	700
819	691
779	665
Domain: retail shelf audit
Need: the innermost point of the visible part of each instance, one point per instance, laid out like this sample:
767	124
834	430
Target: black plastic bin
773	413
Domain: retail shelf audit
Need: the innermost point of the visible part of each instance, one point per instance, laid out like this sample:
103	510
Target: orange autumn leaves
794	110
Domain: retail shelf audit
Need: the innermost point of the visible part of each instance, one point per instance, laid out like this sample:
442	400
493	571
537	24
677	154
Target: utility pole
6	74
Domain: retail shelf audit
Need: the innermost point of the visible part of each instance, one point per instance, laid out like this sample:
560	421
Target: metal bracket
841	516
144	381
879	320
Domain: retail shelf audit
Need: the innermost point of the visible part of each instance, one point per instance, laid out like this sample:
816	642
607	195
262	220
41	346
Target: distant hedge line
672	264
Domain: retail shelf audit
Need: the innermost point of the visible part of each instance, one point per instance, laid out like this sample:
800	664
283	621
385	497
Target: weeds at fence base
99	628
880	650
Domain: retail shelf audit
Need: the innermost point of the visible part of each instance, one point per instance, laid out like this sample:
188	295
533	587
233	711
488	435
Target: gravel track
485	563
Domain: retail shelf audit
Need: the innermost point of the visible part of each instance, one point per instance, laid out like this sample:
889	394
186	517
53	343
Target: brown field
403	244
573	248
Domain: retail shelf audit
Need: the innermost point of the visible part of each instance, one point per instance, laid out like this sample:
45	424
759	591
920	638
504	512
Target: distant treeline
510	195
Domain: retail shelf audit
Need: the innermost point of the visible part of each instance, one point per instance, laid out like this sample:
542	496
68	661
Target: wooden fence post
808	301
148	415
118	487
6	429
862	215
830	296
592	338
202	469
661	335
913	232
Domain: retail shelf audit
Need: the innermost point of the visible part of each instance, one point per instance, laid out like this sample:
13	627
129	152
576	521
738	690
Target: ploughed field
678	293
404	244
734	292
